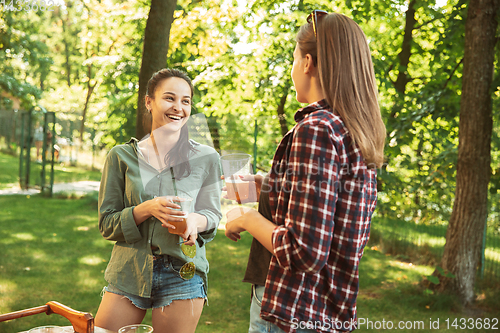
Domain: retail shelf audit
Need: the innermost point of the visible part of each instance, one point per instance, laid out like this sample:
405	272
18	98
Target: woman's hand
165	210
254	187
194	223
241	219
161	207
236	221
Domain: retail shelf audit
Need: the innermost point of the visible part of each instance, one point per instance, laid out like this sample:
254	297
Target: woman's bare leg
117	311
181	316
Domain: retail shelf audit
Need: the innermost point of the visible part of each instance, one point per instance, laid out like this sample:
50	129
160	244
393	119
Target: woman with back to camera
322	186
141	181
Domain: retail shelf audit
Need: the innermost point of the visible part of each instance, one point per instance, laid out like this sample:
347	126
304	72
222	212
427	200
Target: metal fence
9	127
426	242
396	237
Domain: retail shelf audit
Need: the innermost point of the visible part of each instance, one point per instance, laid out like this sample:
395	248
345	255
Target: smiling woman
168	101
141	183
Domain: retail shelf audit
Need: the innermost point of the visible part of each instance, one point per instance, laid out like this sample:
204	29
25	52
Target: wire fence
411	240
69	149
9	129
260	137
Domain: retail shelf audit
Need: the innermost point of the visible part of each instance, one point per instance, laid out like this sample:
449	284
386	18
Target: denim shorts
167	285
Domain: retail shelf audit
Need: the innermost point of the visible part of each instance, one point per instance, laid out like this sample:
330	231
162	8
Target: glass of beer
237	189
234	166
185	202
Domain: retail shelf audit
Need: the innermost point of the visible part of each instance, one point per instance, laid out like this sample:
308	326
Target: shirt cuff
208	234
130	230
279	248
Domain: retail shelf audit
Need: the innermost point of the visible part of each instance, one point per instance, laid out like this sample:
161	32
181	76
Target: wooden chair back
83	322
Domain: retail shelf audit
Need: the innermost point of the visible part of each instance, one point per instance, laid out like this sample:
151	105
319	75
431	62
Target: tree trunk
154	57
90	87
66	53
405	54
212	122
404	57
281	112
465	230
90	90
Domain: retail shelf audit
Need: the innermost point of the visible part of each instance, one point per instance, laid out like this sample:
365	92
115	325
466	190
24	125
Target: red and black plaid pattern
322	199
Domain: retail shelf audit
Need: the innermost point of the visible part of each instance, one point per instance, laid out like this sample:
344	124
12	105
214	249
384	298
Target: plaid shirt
322	197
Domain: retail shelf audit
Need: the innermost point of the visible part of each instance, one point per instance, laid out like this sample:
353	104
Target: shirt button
154	196
158	176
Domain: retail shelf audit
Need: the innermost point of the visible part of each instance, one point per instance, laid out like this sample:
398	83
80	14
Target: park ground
52	250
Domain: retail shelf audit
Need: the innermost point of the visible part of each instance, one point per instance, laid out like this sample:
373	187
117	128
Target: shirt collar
305	111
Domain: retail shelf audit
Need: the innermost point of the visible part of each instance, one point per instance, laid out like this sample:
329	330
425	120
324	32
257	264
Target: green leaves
441	273
240	58
433	279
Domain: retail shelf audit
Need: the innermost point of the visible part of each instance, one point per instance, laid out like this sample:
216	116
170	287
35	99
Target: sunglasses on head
313	18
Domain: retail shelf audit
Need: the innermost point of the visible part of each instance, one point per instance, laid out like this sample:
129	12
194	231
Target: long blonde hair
347	78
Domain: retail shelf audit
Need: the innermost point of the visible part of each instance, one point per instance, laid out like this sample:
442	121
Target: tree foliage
22	55
83	61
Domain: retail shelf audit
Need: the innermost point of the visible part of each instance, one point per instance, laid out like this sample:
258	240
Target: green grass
9	177
52	250
390	290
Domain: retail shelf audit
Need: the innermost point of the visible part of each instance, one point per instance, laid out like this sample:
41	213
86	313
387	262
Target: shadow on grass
51	250
390	291
424	244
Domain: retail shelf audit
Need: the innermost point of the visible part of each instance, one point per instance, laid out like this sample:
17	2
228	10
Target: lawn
52	250
63	173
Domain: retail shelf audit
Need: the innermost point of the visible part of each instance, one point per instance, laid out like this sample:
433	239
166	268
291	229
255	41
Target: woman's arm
204	221
162	208
241	219
116	222
302	241
306	224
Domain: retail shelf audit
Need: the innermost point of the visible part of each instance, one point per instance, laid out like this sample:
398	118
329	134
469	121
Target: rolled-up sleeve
302	241
208	202
116	222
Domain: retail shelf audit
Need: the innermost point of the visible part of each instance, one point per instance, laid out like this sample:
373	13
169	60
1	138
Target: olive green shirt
128	180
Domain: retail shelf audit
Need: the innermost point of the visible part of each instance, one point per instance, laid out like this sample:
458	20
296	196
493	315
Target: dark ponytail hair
164	74
183	148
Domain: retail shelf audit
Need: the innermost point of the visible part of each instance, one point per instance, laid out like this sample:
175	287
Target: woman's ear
309	64
147	102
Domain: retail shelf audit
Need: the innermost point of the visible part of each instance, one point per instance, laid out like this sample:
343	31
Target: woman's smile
174	117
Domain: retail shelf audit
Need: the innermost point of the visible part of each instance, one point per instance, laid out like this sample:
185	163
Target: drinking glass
47	329
136	328
185	202
234	166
